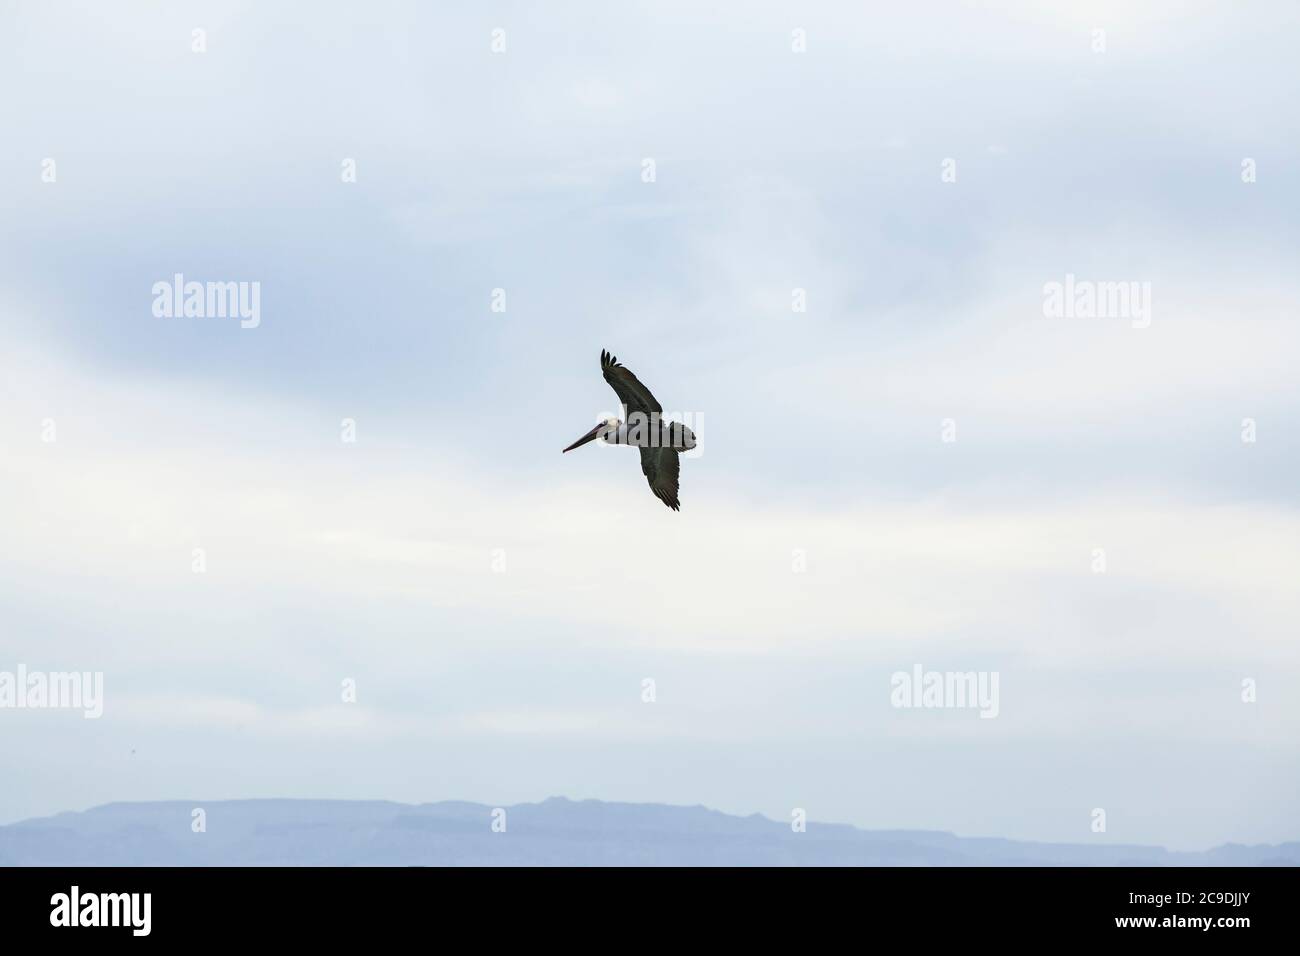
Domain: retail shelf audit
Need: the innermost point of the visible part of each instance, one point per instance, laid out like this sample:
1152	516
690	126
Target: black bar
331	906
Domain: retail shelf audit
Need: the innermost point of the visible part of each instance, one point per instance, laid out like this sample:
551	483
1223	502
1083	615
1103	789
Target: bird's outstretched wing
660	466
634	396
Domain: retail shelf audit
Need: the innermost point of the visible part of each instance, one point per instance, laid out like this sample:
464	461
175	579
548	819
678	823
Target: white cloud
587	544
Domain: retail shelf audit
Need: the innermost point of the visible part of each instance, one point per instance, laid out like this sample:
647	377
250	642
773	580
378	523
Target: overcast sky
829	537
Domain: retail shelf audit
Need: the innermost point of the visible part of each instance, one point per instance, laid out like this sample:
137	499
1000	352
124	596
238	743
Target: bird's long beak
586	438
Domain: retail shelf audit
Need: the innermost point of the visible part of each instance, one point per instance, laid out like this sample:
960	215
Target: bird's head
606	426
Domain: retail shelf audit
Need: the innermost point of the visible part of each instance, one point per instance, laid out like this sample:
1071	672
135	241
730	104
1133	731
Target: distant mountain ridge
555	832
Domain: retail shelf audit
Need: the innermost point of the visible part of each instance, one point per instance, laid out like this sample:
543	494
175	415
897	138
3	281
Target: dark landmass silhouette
556	832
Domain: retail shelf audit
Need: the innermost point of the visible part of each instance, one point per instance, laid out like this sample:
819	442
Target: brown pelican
658	440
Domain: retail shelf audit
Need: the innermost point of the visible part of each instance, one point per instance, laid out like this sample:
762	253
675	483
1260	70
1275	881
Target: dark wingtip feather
666	499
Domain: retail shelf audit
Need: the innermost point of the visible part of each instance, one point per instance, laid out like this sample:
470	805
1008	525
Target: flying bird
659	440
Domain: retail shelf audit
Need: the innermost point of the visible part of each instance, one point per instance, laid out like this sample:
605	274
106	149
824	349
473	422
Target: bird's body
663	434
659	440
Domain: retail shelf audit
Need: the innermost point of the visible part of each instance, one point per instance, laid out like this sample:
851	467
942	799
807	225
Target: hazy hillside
555	832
